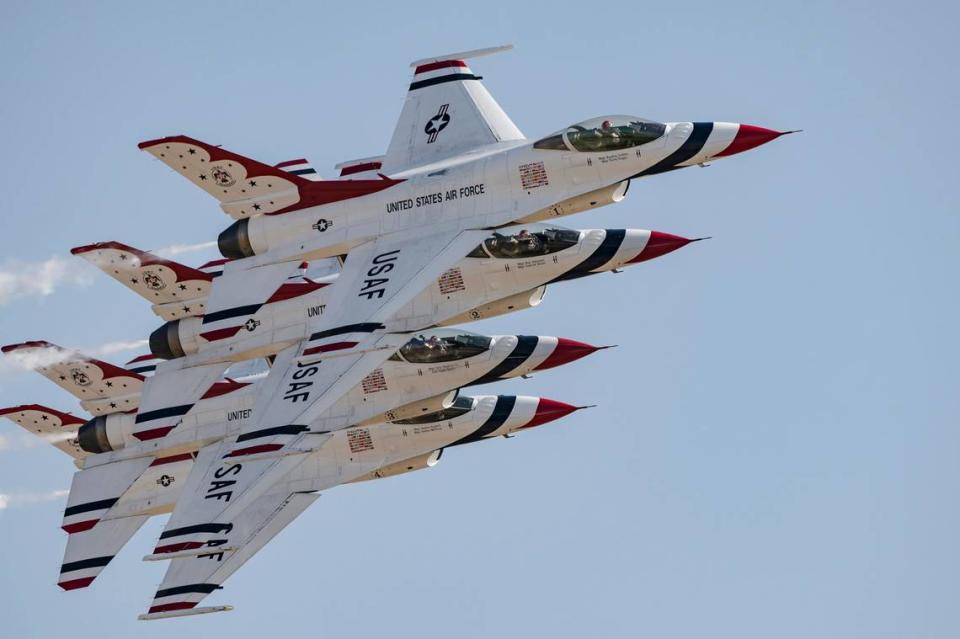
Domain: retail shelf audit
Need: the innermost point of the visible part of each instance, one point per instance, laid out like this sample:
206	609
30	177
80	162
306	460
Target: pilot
529	243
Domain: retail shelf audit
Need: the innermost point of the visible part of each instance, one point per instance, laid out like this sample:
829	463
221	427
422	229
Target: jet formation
366	369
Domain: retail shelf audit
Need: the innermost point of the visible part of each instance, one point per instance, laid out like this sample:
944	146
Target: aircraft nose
660	244
549	410
749	137
566	351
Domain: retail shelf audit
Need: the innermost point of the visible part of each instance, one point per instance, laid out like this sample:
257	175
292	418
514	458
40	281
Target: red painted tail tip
567	350
549	410
750	137
660	244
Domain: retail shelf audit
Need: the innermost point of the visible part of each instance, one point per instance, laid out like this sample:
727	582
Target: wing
89	551
100	386
188	581
379	279
174	290
447	112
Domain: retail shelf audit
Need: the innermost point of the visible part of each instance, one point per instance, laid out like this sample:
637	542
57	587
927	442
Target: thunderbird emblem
152	280
222	177
79	377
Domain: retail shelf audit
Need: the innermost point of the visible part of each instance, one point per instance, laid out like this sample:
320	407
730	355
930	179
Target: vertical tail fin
448	111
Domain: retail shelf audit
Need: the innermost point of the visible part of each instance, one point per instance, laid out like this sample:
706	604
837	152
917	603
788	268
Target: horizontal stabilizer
245	187
89	552
175	290
94	491
60	429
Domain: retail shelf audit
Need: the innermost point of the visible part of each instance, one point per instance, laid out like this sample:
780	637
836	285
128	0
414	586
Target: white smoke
13	500
116	347
32	279
19	279
29	359
177	249
27	441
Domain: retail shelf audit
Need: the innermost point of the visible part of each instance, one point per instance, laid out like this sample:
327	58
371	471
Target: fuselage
508	182
506	273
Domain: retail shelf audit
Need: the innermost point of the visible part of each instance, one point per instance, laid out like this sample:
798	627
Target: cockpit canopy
442	345
460	406
525	243
608	133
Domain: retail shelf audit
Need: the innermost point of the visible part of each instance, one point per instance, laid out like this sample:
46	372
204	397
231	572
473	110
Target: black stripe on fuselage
89	506
291	429
365	327
198	528
501	411
180	590
453	77
172	411
93	562
520	353
239	311
690	147
604	253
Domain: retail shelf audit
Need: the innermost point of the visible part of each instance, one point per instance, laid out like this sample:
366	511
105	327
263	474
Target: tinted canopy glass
430	348
526	244
608	133
460	406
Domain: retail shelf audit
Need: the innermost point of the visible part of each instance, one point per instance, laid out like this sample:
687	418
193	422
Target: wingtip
9	348
99	246
146	144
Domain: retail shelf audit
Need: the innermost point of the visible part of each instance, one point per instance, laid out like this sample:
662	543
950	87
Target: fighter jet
509	271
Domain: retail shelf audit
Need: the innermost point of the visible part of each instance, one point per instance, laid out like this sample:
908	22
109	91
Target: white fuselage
474	289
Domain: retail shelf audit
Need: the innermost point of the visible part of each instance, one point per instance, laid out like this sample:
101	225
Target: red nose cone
567	351
749	137
660	244
549	410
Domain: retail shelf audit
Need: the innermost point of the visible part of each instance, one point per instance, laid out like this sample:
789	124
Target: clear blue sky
775	451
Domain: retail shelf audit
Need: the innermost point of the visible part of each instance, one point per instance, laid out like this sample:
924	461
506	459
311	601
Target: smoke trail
116	347
13	500
25	279
177	249
19	279
32	359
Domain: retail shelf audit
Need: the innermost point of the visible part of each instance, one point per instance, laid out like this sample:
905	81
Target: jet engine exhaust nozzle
234	241
165	341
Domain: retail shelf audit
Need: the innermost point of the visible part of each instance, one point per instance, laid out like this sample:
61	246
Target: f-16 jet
454	223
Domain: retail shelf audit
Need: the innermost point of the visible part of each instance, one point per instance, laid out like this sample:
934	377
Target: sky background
775	450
